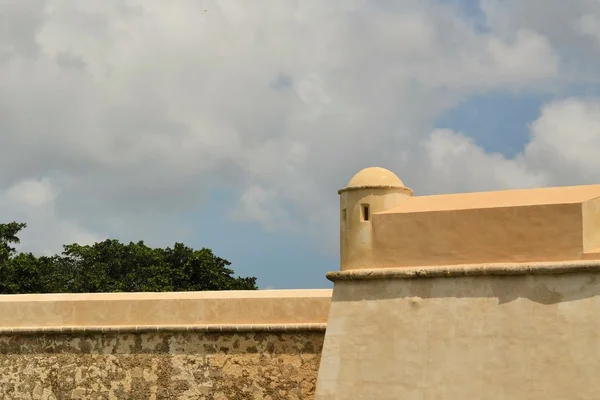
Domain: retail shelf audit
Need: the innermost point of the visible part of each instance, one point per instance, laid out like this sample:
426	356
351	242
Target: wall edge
226	328
446	271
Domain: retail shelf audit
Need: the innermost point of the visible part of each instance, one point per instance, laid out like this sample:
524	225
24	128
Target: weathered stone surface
162	365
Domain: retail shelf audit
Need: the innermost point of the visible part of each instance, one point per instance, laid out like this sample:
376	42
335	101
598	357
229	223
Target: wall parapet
223	311
501	269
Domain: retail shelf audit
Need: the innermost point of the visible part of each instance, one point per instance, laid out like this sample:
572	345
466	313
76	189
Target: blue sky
498	121
277	260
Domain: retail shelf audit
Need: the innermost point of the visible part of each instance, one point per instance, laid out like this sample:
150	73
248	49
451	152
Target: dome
375	176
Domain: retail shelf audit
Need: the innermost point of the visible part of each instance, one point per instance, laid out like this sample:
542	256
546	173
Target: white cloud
565	141
452	162
570	27
130	108
32	202
563	150
31	193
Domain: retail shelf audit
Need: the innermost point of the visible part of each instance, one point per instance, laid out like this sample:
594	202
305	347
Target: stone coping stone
529	268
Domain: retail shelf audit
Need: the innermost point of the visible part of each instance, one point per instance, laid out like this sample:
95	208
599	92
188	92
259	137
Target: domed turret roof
375	176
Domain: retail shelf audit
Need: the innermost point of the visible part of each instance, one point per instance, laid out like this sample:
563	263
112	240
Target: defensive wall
201	345
483	296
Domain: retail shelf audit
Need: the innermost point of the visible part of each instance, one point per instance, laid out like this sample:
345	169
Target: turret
370	191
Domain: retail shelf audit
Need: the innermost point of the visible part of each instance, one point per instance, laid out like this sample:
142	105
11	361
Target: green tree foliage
111	266
8	236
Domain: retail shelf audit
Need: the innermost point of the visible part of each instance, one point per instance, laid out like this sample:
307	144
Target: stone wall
210	345
160	365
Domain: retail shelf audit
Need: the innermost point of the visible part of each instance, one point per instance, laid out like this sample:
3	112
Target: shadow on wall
543	289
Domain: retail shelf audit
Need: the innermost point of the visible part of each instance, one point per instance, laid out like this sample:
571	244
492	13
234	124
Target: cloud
33	202
563	150
121	110
565	142
453	162
570	27
31	193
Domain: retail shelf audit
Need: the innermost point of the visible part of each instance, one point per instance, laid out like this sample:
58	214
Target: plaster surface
500	198
489	295
374	177
402	230
547	224
230	308
464	337
375	189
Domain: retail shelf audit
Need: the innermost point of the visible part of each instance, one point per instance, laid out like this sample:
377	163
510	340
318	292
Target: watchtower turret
370	191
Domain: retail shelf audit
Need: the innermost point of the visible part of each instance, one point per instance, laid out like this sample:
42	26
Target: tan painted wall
478	235
205	345
426	305
355	232
543	224
159	309
379	190
591	227
534	337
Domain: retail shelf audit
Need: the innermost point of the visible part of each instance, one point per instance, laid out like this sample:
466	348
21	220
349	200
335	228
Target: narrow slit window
365	212
343	216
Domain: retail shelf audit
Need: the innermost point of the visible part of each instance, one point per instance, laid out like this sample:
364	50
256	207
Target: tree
111	266
8	236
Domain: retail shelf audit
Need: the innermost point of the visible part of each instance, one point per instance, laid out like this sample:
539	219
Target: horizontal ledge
501	269
228	328
222	295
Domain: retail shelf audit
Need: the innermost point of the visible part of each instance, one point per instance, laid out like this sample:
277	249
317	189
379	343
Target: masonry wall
224	357
160	365
485	332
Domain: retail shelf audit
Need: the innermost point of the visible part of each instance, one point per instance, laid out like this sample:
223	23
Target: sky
231	125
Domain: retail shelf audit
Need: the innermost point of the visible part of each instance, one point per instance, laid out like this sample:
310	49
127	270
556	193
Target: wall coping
222	294
275	328
447	271
260	310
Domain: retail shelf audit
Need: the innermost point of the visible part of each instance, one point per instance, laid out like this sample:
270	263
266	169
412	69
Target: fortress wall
591	227
472	332
217	345
552	232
